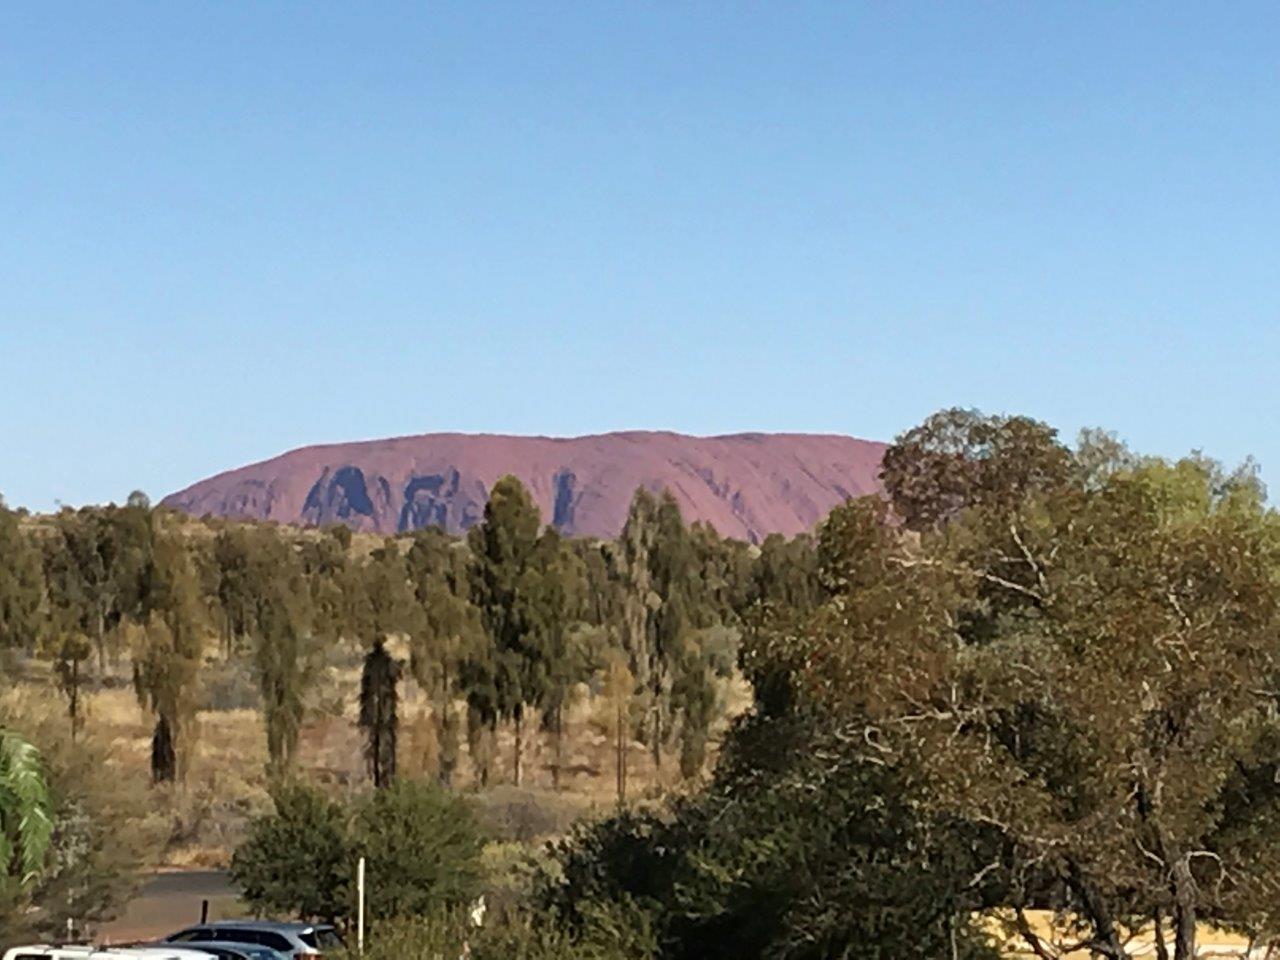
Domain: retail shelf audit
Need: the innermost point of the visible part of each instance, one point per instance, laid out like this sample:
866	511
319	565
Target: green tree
422	848
501	680
556	602
379	718
168	648
383	606
21	586
281	624
298	860
1074	660
446	633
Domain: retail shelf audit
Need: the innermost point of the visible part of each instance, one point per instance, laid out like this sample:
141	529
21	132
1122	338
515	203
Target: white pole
360	907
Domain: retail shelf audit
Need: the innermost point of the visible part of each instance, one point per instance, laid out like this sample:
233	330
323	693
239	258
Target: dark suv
290	939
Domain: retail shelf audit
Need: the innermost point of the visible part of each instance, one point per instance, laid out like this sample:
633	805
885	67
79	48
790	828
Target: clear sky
230	229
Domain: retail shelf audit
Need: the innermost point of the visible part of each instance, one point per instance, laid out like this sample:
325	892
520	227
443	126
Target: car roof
279	926
229	944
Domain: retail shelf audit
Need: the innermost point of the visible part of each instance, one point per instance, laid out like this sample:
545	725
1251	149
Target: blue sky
227	230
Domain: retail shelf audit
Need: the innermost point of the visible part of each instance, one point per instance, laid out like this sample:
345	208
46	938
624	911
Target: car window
195	933
266	938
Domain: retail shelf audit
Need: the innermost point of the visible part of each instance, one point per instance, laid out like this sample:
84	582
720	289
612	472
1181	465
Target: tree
1078	668
633	570
960	458
104	831
618	693
556	603
278	615
422	848
299	859
446	633
379	700
21	586
383	606
502	679
168	648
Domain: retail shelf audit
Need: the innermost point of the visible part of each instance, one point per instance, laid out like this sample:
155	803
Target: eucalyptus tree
21	585
503	678
382	608
168	646
444	634
1083	672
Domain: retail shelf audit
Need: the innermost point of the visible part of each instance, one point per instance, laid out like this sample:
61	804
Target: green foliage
21	586
26	823
102	831
422	846
445	636
508	588
612	935
168	642
379	719
299	859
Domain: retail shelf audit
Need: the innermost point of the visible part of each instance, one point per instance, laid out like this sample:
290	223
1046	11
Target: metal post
360	906
204	912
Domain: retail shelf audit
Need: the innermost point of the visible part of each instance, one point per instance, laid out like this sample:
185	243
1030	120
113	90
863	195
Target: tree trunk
621	756
1184	911
1106	939
73	706
519	715
1162	948
657	739
559	734
164	758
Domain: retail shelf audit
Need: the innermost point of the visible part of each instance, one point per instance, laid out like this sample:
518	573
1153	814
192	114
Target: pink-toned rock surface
746	485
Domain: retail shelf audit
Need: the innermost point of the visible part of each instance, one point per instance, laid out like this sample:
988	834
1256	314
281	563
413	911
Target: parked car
293	939
42	951
162	951
231	950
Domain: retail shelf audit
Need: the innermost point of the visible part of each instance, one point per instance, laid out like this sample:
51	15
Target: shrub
422	846
615	934
298	860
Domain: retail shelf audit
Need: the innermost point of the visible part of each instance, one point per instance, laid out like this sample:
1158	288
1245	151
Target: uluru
746	485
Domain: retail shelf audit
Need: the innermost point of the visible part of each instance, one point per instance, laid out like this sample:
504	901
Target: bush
104	831
422	846
615	934
298	860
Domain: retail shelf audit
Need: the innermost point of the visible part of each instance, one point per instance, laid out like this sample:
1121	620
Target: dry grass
225	781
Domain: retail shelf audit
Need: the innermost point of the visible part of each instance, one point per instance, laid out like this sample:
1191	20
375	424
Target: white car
45	952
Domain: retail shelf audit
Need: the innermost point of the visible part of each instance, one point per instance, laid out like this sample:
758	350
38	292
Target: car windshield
322	938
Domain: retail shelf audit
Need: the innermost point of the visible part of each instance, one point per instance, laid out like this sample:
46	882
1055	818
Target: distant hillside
746	485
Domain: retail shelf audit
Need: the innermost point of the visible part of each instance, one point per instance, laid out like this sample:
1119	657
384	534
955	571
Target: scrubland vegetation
1031	676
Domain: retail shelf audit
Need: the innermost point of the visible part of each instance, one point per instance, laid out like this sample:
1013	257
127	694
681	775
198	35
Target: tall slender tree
383	606
445	632
168	648
502	679
379	702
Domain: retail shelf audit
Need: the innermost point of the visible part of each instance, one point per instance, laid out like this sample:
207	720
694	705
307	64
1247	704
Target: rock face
746	485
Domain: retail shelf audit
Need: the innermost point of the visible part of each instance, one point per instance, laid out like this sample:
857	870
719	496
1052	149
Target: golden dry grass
226	784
